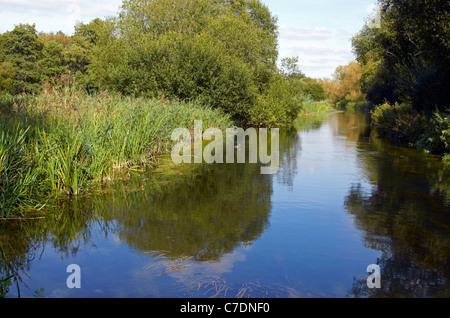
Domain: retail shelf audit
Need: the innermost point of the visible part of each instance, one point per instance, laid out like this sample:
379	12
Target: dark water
342	200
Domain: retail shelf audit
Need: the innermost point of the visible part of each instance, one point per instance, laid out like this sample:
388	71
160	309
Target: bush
314	89
436	139
405	125
399	123
222	54
280	103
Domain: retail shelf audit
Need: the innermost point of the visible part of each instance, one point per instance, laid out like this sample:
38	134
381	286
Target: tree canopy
221	53
407	58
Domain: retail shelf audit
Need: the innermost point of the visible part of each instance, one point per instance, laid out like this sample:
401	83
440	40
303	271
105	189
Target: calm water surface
342	200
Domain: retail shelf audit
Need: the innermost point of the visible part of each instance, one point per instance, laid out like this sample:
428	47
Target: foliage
28	59
314	88
345	85
289	68
407	59
22	48
64	141
406	63
311	107
403	124
280	103
17	178
7	76
218	52
437	136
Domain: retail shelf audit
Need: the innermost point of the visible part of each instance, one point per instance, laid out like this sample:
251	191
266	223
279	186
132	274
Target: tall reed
64	141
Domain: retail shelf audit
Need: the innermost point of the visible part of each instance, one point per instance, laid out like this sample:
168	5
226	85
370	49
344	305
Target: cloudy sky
317	31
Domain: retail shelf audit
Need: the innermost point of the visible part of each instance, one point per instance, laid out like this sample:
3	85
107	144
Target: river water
342	200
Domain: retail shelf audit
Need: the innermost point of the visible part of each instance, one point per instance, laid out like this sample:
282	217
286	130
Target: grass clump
65	141
311	107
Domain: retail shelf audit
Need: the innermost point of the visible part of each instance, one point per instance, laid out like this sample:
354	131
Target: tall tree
407	59
23	49
222	53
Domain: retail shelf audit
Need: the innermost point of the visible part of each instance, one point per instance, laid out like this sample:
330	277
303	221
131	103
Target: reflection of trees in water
199	211
291	146
23	241
406	215
290	150
400	278
202	213
204	217
354	127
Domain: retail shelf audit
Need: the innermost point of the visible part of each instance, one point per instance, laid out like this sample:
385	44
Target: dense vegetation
345	85
74	109
406	71
66	141
219	53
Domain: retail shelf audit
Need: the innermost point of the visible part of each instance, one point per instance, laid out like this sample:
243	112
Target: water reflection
229	231
202	217
405	214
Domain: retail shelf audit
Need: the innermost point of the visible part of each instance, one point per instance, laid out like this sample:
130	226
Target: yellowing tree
345	86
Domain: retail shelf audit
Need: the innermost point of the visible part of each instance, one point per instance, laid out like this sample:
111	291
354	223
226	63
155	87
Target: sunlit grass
65	141
310	107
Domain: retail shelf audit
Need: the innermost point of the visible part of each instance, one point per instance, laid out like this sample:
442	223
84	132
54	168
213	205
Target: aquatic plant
65	141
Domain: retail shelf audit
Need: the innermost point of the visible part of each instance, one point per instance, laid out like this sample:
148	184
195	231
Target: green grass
65	141
310	107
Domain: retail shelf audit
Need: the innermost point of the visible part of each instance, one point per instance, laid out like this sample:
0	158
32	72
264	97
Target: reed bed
66	141
310	107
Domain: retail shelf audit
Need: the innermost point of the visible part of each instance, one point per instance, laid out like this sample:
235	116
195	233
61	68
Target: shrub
220	53
400	123
403	124
436	139
280	103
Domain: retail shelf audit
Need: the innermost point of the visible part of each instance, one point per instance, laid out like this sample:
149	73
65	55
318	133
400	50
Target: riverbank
311	108
428	132
64	141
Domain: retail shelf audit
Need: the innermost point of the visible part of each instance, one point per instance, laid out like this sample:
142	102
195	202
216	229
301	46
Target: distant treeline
220	53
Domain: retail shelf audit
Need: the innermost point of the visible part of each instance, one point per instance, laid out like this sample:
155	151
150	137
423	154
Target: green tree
407	59
290	68
314	89
7	76
23	49
222	53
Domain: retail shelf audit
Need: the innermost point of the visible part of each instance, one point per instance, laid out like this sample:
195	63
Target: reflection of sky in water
311	247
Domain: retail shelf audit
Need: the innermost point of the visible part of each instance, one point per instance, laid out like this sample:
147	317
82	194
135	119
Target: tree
222	53
314	88
290	68
345	86
7	76
22	48
407	59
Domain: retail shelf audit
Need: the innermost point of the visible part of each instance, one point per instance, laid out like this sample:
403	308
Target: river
342	200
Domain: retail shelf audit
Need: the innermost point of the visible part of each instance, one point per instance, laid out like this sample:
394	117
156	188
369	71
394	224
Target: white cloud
294	34
317	60
88	8
52	15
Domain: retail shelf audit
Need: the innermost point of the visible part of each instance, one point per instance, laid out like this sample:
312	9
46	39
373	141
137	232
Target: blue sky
317	31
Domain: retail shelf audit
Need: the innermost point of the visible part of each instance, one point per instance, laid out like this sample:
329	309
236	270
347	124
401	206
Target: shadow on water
178	216
188	212
405	214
